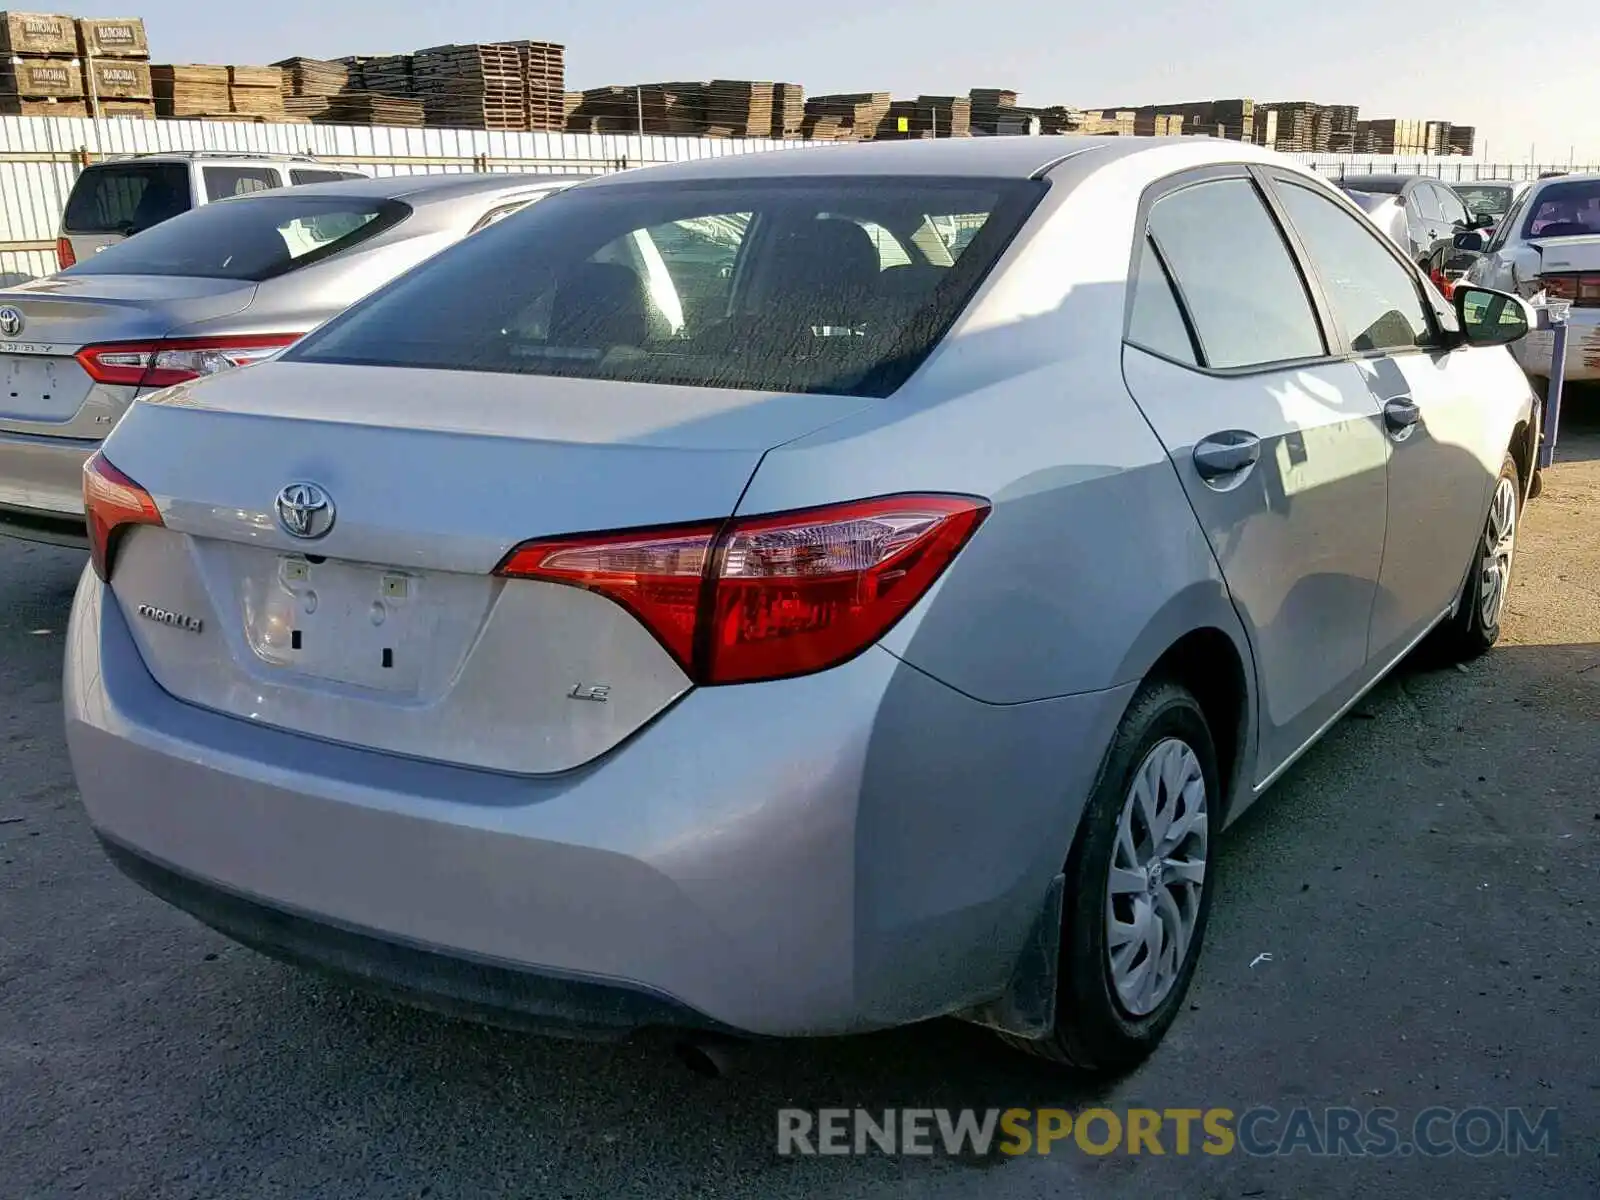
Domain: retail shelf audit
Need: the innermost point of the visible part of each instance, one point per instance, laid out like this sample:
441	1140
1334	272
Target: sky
1528	85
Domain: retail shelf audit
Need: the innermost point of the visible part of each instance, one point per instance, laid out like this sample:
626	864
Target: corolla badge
304	510
11	321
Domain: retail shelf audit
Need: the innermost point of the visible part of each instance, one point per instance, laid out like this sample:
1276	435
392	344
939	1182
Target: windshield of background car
1564	210
249	240
121	198
837	285
1484	200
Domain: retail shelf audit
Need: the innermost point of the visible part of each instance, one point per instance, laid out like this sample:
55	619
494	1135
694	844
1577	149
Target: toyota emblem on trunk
304	510
11	321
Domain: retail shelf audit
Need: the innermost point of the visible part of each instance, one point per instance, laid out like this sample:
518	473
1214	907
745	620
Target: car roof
429	188
211	156
976	157
1391	178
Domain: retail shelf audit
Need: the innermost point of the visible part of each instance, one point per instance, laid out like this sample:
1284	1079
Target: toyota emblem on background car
11	321
304	510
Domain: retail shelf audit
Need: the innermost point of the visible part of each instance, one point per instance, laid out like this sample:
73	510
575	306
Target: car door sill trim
1350	703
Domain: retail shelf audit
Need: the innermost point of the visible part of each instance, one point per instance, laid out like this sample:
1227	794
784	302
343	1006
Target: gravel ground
1425	883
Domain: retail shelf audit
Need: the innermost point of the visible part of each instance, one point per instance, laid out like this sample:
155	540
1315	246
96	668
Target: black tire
1093	1031
1467	634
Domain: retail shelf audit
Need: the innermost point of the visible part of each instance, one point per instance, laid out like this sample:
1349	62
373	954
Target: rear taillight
112	501
177	360
772	596
1581	290
64	256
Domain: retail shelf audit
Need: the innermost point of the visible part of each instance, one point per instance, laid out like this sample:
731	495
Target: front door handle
1401	413
1225	454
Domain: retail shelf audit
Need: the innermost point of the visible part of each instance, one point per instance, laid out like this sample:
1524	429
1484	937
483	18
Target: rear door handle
1400	414
1228	453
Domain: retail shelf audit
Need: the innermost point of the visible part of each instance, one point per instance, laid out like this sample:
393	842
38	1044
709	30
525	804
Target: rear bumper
1534	352
41	488
476	989
851	850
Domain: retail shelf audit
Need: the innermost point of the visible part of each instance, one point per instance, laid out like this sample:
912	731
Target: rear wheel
1139	887
1476	624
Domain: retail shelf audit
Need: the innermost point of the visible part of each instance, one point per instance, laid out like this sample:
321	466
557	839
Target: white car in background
1549	244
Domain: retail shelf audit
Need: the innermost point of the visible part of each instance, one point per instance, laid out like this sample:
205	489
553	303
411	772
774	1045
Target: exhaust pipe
709	1058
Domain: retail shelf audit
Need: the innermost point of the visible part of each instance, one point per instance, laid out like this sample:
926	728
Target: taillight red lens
1582	290
176	360
772	596
655	576
64	256
1560	287
111	501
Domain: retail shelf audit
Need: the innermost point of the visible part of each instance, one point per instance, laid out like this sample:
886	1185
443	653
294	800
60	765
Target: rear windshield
249	239
1485	200
1564	210
840	285
1373	183
1368	201
126	198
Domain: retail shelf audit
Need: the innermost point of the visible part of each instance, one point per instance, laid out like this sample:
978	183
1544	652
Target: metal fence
41	156
1449	169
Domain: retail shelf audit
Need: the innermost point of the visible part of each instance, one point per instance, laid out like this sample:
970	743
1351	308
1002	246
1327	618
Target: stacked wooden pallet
256	91
24	34
39	71
113	37
313	77
308	84
995	111
190	90
788	110
373	108
738	108
387	74
471	87
544	83
849	116
116	53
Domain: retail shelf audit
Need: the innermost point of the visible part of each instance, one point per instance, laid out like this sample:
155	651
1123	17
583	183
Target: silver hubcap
1499	545
1158	870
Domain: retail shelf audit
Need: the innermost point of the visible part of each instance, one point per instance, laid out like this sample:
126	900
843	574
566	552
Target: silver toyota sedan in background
222	285
876	617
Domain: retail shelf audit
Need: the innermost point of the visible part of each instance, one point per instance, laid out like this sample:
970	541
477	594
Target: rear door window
1244	293
1156	322
126	197
222	182
1450	205
1426	201
785	285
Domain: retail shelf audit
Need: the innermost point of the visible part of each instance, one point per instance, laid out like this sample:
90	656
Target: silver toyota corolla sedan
876	614
220	286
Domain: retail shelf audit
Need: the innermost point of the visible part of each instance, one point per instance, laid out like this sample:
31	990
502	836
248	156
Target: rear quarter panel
1091	562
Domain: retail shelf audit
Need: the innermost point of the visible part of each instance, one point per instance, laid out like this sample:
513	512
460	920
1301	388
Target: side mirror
1491	318
1472	241
1482	221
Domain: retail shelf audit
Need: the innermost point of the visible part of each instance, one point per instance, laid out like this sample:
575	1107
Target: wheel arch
1198	641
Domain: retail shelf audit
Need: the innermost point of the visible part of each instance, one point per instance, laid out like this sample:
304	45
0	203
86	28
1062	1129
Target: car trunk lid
389	631
44	323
